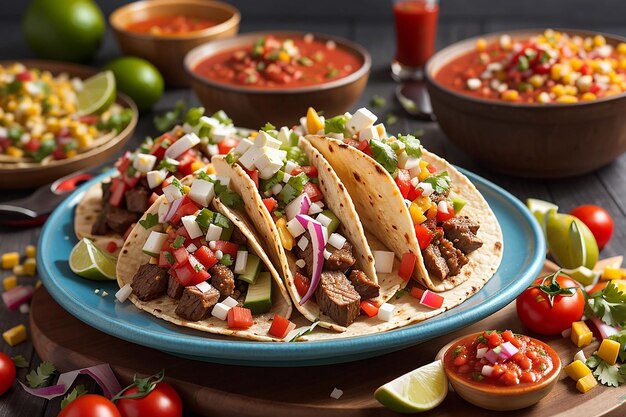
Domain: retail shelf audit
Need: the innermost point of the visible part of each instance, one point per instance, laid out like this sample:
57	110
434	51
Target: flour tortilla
385	215
337	200
131	258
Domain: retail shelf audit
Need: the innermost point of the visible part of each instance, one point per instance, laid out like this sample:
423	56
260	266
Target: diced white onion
385	311
123	293
230	302
336	240
219	255
487	370
213	233
300	263
327	254
203	287
580	356
220	311
323	219
241	262
480	353
336	394
443	207
295	227
303	243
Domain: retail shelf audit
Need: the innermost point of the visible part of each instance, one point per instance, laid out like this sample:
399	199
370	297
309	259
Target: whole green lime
139	79
66	30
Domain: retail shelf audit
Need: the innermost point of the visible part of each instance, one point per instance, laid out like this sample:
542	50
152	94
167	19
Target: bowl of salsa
501	370
533	103
275	76
163	31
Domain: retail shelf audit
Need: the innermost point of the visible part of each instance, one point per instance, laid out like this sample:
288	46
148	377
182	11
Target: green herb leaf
413	146
593	361
620	338
335	124
168	165
268	126
400	293
193	115
378	101
303	331
609	375
222	117
151	220
226	260
230	198
440	182
287	194
384	155
178	242
523	64
298	181
168	120
230	158
269	183
295	154
609	304
169	258
40	377
76	392
20	361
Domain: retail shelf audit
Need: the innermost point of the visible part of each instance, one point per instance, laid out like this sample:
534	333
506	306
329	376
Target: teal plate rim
524	254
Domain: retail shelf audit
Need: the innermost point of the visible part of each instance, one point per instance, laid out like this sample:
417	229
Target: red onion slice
300	205
17	296
604	329
173	209
317	240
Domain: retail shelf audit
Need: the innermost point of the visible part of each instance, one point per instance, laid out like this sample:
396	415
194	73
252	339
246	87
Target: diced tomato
188	276
302	283
130	181
163	259
59	153
226	145
254	176
313	192
181	255
158	150
310	171
407	265
369	308
32	145
424	235
431	168
364	146
585	70
227	247
123	163
153	198
111	247
493	339
206	257
403	181
90	119
185	209
118	189
414	193
240	318
416	293
270	203
595	88
280	326
167	181
442	217
24	76
186	160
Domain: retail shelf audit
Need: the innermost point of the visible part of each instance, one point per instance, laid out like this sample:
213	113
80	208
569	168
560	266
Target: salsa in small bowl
501	370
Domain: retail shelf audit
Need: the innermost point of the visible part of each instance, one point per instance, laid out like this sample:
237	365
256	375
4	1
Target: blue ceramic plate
524	252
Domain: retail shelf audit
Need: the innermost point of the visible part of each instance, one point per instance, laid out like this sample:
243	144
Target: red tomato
111	247
535	312
227	247
32	145
186	160
424	235
118	189
90	405
7	372
442	217
598	220
313	191
302	283
240	318
206	257
226	145
280	326
254	176
310	171
270	203
163	401
403	181
407	265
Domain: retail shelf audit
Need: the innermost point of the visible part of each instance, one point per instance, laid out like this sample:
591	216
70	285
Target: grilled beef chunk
238	238
100	226
437	198
119	219
455	259
137	200
106	192
223	279
195	305
340	259
461	231
363	285
337	297
150	282
174	288
435	263
307	256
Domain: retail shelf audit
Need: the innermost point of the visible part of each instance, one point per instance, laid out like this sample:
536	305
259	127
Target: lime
581	274
419	390
139	79
540	209
67	30
97	94
90	262
570	241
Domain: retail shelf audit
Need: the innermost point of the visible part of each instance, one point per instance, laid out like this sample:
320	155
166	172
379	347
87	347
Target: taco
108	210
301	208
194	262
415	202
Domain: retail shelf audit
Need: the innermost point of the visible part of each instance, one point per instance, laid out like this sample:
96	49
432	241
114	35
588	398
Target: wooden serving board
215	390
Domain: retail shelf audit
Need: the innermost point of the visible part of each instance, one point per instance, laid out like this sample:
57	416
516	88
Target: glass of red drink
416	27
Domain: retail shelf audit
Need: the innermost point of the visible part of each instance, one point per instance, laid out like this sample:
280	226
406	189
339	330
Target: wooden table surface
606	187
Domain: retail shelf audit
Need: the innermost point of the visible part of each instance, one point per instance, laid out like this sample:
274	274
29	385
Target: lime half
570	242
419	390
540	209
581	274
90	262
97	94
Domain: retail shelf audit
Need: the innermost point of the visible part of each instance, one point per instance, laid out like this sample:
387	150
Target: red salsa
280	63
170	25
500	359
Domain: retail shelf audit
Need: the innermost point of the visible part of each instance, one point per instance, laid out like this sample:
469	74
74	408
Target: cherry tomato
163	401
598	220
534	310
7	372
90	405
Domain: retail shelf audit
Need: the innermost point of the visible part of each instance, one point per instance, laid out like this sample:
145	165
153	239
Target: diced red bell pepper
111	247
90	119
226	145
186	208
416	293
424	235
188	276
403	181
181	255
302	283
163	259
313	191
414	193
118	189
227	247
254	176
270	203
182	231
407	265
32	145
280	327
431	299
240	318
206	257
369	308
59	153
186	160
364	146
131	182
24	76
431	168
310	171
542	68
585	70
442	217
158	150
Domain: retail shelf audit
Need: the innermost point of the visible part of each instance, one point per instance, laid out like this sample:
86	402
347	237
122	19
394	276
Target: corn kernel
286	238
536	80
210	169
576	63
15	335
416	214
196	165
608	350
555	71
611	274
570	90
621	48
581	334
14	152
18	270
588	97
510	95
10	259
558	90
599	40
283	56
567	99
30	267
83	141
71	153
577	369
186	189
585	383
9	282
481	44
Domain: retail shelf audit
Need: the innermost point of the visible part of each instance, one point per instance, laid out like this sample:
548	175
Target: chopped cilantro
295	154
477	376
523	64
222	117
413	147
169	258
609	304
335	124
20	361
230	198
178	242
609	375
440	182
378	101
332	73
205	217
384	155
76	392
226	260
198	267
457	351
391	119
268	126
305	61
620	337
400	293
230	158
482	339
269	183
221	221
40	377
151	220
169	164
168	120
193	115
287	194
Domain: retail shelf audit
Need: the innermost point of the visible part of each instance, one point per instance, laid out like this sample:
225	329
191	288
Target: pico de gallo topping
278	62
170	25
501	359
289	186
552	67
39	120
445	237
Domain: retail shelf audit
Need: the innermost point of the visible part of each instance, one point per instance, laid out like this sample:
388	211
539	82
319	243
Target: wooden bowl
529	140
253	107
34	174
502	398
167	52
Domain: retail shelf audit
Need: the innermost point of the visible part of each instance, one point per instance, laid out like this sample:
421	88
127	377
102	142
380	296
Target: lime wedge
419	390
540	209
97	94
570	242
581	274
90	262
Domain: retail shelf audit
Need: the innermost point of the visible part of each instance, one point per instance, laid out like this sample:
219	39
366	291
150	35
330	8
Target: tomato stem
553	288
144	387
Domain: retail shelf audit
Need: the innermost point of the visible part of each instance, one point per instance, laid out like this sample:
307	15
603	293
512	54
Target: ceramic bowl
253	107
167	52
529	140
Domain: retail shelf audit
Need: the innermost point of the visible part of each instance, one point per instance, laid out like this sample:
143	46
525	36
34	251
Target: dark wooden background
368	22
